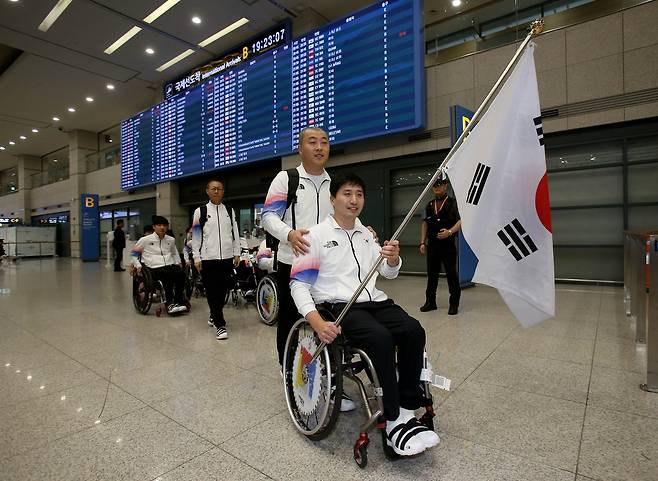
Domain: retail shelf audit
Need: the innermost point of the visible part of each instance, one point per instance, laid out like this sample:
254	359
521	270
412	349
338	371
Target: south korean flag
499	178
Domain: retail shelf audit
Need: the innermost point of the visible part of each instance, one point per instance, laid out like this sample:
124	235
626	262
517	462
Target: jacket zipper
219	233
358	266
317	197
162	253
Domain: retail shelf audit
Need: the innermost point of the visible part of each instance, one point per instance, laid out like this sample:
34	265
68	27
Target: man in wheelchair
158	252
342	252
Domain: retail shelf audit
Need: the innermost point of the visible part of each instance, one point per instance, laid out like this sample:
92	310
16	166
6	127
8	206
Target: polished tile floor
91	390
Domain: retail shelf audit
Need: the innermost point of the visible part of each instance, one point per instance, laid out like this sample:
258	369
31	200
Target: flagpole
536	28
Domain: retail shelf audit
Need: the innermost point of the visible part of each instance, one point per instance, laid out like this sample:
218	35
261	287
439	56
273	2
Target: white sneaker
398	437
346	403
176	308
222	334
428	437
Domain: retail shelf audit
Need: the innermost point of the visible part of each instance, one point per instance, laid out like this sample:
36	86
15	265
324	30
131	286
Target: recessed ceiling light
13	1
196	20
36	131
89	99
224	31
56	119
2	148
54	14
150	51
71	109
11	142
54	160
22	137
110	87
456	3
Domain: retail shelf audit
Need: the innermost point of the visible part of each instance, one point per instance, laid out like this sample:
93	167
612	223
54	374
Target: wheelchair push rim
267	301
142	298
313	390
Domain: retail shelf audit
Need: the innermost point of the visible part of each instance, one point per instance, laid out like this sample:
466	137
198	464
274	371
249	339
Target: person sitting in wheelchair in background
158	252
342	252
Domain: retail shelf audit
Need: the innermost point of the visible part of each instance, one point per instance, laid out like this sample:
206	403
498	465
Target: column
27	165
81	144
167	204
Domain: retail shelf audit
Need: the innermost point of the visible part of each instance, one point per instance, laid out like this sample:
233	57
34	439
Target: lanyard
436	211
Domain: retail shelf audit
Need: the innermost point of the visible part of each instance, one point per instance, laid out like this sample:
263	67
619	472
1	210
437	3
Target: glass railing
49	177
101	160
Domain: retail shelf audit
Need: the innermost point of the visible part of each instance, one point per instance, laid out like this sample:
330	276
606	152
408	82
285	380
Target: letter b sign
89	202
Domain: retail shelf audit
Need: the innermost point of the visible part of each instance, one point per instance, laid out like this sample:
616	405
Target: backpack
203	218
293	182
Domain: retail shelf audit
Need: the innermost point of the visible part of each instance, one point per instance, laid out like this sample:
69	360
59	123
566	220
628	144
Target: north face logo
301	187
331	244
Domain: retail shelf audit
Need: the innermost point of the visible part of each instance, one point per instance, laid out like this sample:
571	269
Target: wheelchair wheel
313	391
142	290
189	283
267	300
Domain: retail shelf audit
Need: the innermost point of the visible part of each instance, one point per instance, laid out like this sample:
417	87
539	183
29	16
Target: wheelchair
193	283
267	300
267	292
313	390
147	291
243	282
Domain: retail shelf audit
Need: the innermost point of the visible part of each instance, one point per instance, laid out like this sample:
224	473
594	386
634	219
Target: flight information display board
357	78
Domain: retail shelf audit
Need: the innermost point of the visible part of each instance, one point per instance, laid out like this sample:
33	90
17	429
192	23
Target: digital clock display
269	41
359	77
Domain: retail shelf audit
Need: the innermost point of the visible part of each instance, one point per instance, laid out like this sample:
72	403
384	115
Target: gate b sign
89	227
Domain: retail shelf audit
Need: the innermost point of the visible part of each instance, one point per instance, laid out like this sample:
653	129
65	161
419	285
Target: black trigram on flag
477	184
517	240
539	127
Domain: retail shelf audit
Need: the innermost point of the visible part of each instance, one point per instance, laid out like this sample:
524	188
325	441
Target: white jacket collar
303	173
358	226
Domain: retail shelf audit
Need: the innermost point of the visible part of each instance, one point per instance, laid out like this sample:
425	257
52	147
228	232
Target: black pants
442	253
217	277
118	257
288	313
173	281
379	328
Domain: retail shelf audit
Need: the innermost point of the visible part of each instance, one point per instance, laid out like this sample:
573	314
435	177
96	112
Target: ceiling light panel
155	14
54	14
174	60
225	31
158	12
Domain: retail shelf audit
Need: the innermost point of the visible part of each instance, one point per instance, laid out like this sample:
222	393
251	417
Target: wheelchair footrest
442	382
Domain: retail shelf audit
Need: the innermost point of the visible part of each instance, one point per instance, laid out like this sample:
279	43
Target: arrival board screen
359	77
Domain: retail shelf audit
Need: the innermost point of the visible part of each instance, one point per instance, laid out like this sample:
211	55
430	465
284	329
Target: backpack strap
203	218
231	214
291	200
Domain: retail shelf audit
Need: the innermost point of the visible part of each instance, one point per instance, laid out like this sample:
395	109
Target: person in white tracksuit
342	252
158	252
216	251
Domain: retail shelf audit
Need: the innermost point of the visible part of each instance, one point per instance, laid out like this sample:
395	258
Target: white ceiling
57	69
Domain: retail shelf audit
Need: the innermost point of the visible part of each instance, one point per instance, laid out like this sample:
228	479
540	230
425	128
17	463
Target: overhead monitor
359	77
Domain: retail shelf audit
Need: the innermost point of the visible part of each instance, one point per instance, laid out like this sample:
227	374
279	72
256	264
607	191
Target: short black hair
120	221
216	179
346	179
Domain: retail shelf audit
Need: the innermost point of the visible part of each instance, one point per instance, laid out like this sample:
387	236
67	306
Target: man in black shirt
119	243
437	238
